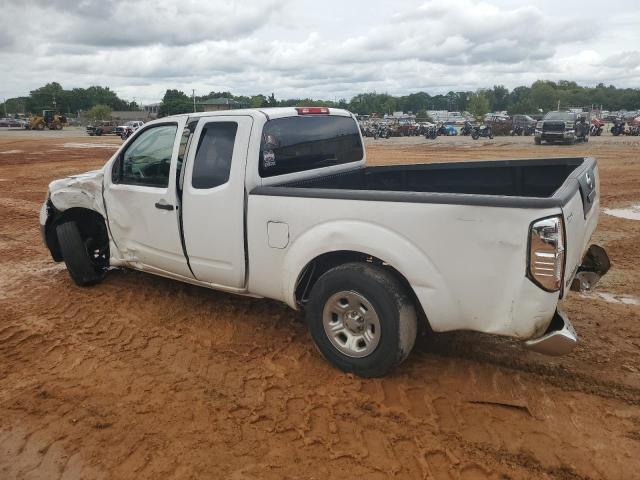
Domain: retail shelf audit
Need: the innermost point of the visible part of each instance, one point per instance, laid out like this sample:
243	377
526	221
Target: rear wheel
361	319
86	259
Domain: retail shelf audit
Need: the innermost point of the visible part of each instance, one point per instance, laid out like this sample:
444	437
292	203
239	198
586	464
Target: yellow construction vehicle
49	119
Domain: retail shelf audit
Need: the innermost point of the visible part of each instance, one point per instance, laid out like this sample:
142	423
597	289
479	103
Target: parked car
106	127
500	124
522	125
564	127
11	123
280	203
447	130
125	131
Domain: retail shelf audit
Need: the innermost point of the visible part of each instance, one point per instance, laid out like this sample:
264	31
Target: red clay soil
146	378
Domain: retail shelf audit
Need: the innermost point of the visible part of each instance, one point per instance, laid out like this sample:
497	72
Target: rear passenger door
213	200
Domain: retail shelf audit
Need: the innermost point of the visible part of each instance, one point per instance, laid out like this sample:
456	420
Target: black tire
475	136
98	132
82	269
391	303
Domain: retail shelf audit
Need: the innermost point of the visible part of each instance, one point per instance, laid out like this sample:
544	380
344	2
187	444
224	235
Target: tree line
542	95
53	97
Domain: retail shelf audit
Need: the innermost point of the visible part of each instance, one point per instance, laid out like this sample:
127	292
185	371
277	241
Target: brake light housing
312	110
547	253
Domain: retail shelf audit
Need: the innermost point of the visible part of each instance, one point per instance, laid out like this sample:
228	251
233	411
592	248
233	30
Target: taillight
312	110
546	253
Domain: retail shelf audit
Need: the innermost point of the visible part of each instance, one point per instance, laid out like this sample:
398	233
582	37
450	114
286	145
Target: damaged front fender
78	191
77	198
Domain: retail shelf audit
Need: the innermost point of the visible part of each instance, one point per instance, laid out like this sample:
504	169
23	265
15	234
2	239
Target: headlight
546	253
539	124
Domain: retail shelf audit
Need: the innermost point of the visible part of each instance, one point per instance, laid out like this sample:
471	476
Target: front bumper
559	339
549	135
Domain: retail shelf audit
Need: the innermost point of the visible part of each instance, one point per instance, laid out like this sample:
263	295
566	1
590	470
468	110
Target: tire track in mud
557	375
253	383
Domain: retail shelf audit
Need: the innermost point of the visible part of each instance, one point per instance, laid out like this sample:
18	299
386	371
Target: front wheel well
325	262
89	222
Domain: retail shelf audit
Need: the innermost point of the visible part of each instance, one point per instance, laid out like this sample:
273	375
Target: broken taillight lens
546	253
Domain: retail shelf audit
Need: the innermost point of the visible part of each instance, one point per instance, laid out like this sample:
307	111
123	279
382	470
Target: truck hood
78	191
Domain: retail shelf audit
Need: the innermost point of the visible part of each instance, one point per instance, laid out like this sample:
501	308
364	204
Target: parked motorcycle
126	133
382	132
467	129
431	132
482	131
596	127
618	127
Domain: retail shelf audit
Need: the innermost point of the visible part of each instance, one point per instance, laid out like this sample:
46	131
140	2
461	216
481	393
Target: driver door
140	197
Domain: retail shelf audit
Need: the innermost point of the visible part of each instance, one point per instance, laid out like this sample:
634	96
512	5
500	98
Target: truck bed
510	183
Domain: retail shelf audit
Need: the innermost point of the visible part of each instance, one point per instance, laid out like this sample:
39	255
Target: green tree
175	102
99	112
478	104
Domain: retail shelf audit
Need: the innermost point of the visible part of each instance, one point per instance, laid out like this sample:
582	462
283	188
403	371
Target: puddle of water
613	298
6	152
91	145
632	213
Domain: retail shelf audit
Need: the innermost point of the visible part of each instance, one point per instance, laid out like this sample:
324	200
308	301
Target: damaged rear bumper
559	339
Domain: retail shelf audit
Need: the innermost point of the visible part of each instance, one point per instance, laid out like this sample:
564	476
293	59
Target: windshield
562	116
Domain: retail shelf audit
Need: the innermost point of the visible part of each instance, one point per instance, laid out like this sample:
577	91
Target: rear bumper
559	339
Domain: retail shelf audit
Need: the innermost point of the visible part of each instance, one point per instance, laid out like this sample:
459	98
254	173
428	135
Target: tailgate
580	213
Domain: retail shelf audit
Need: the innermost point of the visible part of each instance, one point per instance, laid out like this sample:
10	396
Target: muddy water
632	213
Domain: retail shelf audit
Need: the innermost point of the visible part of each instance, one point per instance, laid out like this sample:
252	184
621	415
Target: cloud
122	24
301	48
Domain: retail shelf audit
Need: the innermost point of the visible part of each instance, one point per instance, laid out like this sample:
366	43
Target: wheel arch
316	267
88	221
331	243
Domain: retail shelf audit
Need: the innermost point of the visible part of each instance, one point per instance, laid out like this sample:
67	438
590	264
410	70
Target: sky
327	49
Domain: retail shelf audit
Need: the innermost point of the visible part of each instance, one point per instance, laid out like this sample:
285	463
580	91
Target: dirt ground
146	378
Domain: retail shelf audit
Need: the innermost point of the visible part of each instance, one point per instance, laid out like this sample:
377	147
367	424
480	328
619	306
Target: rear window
213	156
296	144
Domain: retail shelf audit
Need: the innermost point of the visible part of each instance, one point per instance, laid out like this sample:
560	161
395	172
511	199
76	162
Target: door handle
164	206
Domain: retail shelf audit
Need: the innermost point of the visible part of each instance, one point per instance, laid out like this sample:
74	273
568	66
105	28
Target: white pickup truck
279	203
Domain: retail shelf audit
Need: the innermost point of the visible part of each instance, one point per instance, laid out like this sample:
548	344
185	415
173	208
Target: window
212	164
148	159
296	144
